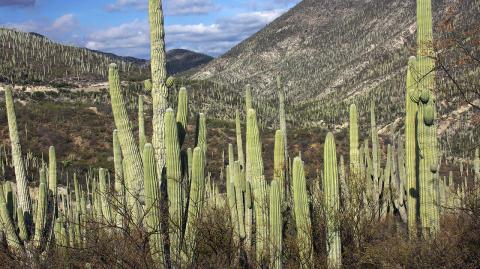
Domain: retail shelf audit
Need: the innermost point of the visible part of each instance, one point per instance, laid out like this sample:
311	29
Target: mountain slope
181	60
32	58
330	54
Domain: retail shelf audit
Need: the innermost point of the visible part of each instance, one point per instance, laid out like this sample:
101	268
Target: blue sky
121	26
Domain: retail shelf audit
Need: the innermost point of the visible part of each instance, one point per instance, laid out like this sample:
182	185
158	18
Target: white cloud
59	29
64	23
172	7
133	38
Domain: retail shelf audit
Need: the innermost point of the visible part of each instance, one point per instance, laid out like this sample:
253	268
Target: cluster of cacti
162	187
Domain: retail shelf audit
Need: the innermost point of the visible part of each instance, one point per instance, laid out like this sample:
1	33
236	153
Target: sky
121	26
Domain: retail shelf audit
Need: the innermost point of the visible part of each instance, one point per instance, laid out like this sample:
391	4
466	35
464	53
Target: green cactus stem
331	202
275	226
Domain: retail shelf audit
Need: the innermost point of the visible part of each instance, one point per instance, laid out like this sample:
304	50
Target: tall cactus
132	159
13	241
159	75
427	130
195	207
275	225
282	115
174	185
119	179
331	202
20	172
152	205
142	138
201	133
375	158
302	214
182	114
254	168
52	171
279	162
40	217
354	144
104	196
411	147
238	131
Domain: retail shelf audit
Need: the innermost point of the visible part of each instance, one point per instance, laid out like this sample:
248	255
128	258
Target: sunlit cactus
332	202
275	226
152	205
302	214
20	172
174	185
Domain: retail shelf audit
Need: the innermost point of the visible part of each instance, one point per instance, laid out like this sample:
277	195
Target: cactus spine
302	214
159	75
275	225
410	149
152	205
332	202
20	172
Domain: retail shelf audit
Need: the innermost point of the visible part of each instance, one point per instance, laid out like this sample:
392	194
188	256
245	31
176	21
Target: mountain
330	54
181	60
28	58
31	58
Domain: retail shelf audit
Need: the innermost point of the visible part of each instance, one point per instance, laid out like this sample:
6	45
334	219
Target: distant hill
31	58
181	60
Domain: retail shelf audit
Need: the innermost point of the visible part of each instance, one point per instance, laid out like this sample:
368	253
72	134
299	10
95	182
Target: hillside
330	54
181	60
31	58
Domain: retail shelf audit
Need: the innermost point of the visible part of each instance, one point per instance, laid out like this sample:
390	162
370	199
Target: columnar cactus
201	133
302	214
282	115
331	202
52	172
238	130
131	153
195	207
239	185
20	172
275	225
248	98
119	179
13	240
152	205
174	184
279	163
104	196
182	114
40	217
142	139
411	148
159	75
354	144
427	131
254	168
375	158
